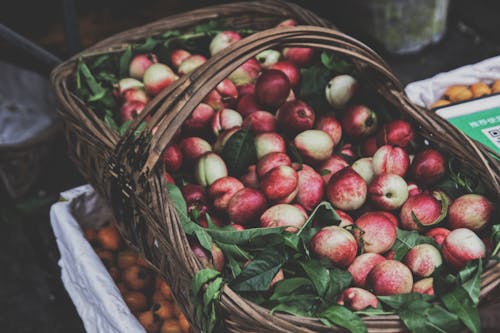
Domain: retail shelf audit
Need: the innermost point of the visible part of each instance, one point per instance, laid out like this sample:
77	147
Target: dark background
32	298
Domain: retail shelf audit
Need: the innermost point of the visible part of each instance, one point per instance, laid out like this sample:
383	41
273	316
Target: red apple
209	168
390	277
311	188
331	166
191	63
425	208
283	215
260	122
428	167
335	244
438	234
369	146
361	266
271	161
266	143
140	63
424	286
329	124
423	259
388	191
314	146
178	56
246	206
196	199
280	184
290	70
461	246
359	121
127	84
295	116
379	234
130	110
268	58
172	157
396	133
472	211
364	167
193	147
340	90
222	40
222	190
300	56
246	73
272	88
389	159
199	120
250	178
225	119
136	94
346	190
247	105
157	77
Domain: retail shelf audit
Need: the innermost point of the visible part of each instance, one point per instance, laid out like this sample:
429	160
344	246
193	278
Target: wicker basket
127	173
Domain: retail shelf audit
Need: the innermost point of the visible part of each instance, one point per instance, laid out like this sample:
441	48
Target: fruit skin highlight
347	190
361	266
336	244
379	232
470	211
423	259
461	246
390	277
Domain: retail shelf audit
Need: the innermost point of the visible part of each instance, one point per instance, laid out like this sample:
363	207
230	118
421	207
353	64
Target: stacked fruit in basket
146	294
307	191
461	93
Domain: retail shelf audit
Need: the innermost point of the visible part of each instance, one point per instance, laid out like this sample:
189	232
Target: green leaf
400	300
213	291
324	213
289	287
339	281
201	278
234	251
125	60
239	152
422	317
374	312
335	63
177	198
125	126
314	80
210	27
258	274
238	237
148	45
318	274
472	280
406	240
495	237
111	123
341	316
204	239
459	302
298	305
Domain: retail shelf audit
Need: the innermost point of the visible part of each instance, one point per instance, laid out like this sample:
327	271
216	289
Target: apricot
458	93
149	321
163	309
137	278
136	301
480	89
109	238
171	326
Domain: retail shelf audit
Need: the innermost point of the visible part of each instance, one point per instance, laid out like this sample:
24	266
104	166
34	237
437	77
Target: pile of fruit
461	93
146	294
305	191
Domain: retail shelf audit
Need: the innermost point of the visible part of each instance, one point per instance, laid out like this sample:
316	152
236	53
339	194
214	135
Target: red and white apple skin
272	88
426	209
438	234
199	120
228	93
225	119
364	167
169	178
359	121
461	246
311	188
139	64
246	73
196	198
347	190
340	90
391	159
246	89
283	215
413	189
390	277
369	146
295	116
222	190
130	110
191	63
157	77
331	126
361	266
266	143
300	56
396	133
287	23
223	138
335	244
391	217
424	286
423	259
280	184
237	227
247	105
246	206
314	146
379	234
203	221
172	157
178	56
290	70
302	209
193	147
136	94
345	219
250	178
472	211
215	260
260	122
214	99
331	166
357	299
388	191
428	167
271	161
209	168
268	58
222	40
127	84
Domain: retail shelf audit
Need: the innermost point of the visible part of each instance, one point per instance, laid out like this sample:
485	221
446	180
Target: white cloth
425	92
95	295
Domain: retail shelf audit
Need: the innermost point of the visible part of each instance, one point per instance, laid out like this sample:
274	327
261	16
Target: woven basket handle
178	102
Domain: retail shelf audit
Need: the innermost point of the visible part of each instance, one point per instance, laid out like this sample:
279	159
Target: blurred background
418	38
